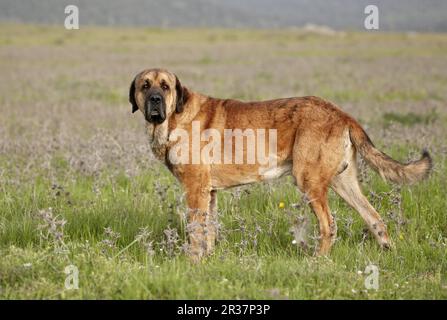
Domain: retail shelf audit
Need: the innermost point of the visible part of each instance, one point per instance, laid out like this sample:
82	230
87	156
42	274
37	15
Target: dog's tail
388	168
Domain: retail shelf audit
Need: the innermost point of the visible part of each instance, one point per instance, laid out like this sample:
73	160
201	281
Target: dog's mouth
156	116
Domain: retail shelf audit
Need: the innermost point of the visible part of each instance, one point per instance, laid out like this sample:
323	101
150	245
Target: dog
316	142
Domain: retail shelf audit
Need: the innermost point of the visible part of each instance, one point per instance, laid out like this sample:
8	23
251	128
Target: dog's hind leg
347	186
314	165
311	182
319	204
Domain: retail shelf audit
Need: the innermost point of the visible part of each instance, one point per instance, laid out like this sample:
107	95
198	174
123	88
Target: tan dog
316	143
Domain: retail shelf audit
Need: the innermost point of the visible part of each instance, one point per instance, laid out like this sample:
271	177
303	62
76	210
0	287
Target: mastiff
308	137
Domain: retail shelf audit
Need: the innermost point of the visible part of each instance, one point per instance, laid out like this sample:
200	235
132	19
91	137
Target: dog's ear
132	97
182	95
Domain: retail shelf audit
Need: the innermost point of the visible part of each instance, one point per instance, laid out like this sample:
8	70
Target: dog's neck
159	134
190	110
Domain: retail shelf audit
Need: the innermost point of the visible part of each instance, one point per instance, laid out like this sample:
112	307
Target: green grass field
79	186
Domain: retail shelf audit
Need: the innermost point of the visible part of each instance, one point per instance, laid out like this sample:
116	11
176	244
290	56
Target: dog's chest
158	138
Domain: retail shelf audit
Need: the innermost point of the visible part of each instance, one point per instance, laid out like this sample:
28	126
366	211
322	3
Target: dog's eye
146	85
165	87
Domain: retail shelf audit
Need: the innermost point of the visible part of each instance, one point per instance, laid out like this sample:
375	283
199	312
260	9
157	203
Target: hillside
399	15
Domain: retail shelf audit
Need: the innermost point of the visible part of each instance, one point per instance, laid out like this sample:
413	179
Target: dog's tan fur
317	143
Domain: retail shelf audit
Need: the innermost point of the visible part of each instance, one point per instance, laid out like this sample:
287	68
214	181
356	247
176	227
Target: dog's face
157	94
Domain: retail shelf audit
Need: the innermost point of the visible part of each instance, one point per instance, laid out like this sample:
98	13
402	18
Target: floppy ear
132	97
182	95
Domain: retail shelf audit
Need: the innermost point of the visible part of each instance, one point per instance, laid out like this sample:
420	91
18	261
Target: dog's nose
155	99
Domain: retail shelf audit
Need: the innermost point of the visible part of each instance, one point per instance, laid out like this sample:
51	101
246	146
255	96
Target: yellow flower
281	205
401	236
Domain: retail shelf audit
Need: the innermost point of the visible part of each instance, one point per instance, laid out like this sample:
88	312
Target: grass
255	258
410	118
78	185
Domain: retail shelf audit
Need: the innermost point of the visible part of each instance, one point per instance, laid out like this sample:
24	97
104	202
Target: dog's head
157	94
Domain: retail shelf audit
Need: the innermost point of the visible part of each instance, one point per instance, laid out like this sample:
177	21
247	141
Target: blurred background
395	15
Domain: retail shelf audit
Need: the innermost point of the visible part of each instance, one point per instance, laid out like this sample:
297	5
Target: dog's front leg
198	199
212	223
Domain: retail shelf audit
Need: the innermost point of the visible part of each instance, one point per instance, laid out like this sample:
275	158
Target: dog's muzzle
155	109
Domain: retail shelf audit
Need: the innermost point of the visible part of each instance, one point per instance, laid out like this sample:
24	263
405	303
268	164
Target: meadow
79	186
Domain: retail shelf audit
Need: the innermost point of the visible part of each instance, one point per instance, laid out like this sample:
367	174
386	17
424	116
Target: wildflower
281	205
110	240
51	227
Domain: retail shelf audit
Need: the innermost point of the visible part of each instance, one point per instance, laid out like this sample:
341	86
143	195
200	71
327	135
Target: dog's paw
195	258
386	246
